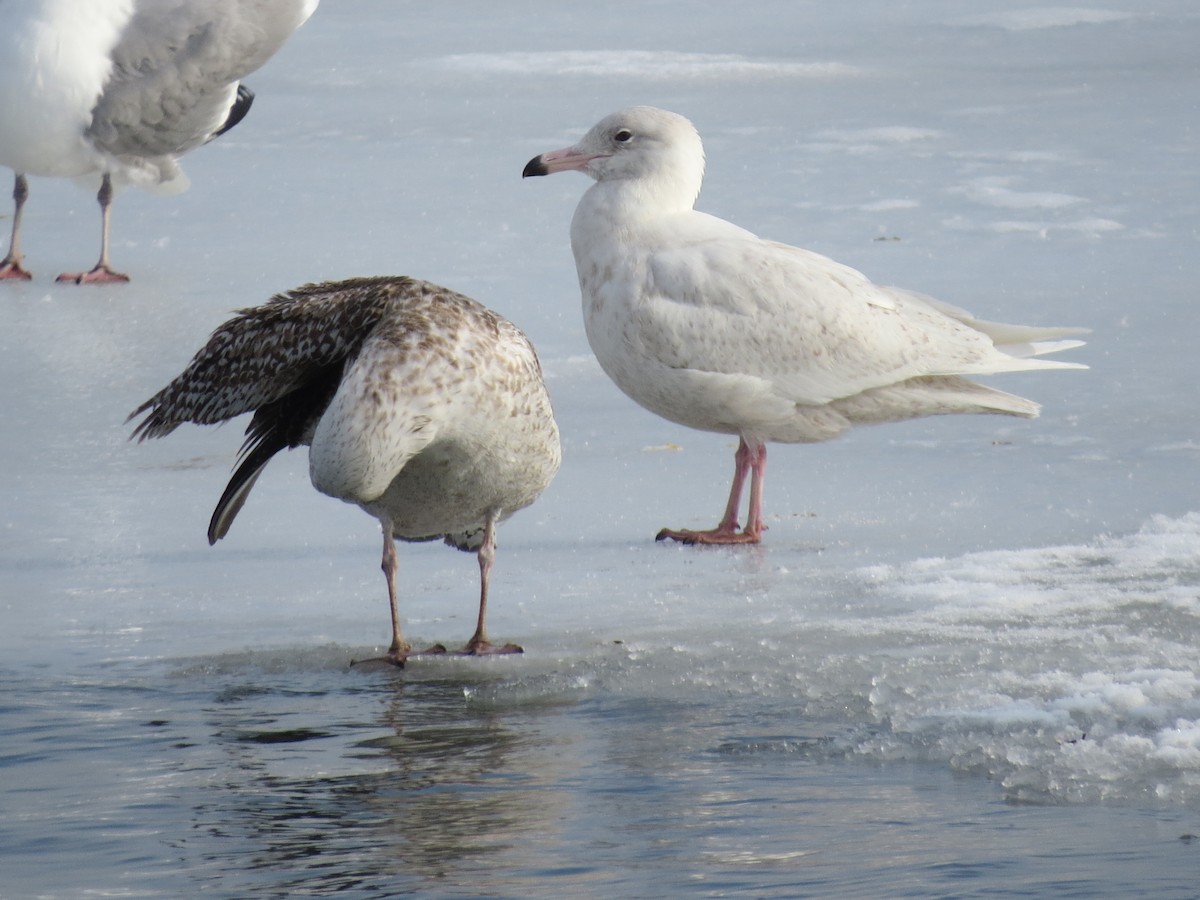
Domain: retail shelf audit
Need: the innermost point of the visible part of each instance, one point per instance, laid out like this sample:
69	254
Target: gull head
640	144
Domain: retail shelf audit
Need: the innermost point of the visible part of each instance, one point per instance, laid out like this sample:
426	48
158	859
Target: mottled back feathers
266	352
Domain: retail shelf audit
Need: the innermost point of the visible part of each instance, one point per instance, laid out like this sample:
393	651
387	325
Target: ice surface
1036	17
1011	600
641	65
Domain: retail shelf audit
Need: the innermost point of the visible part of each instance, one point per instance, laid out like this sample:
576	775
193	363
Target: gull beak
559	161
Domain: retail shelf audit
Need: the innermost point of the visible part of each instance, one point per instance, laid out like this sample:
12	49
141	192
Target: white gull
418	404
121	89
708	325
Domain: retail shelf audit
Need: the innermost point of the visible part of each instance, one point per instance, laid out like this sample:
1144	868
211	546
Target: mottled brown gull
120	89
418	404
710	326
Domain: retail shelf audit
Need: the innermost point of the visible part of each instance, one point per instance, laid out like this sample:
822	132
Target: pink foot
473	647
14	271
713	536
487	648
399	657
100	275
396	656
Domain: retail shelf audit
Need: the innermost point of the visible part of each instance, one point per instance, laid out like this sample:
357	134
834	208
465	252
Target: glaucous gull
710	326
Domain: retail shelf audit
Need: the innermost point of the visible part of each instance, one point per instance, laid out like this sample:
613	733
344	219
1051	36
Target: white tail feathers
1020	342
1043	348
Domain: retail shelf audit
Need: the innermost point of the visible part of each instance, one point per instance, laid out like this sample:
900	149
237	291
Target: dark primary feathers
237	112
280	425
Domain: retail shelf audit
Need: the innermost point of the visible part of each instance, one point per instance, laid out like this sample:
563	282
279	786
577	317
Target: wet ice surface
962	663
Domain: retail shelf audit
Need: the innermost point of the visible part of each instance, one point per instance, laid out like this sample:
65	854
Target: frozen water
965	657
1047	17
638	65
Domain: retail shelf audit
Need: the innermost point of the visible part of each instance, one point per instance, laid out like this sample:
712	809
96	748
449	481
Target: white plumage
419	405
710	326
120	89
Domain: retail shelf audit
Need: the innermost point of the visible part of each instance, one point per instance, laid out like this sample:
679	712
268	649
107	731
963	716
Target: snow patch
1064	672
638	64
995	191
884	134
889	205
1046	17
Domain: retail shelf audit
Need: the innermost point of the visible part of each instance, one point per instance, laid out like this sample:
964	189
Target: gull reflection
398	783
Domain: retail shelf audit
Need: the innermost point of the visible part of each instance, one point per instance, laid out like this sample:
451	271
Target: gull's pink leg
400	648
754	519
479	645
747	459
741	465
10	266
102	272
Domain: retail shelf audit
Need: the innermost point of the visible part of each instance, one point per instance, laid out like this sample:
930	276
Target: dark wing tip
534	167
234	496
150	427
237	112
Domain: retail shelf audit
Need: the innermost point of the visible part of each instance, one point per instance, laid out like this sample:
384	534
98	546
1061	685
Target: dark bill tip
534	167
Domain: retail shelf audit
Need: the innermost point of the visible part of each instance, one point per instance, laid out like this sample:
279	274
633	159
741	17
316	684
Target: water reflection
399	782
288	775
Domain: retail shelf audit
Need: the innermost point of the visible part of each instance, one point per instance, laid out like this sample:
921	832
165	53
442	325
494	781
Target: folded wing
817	330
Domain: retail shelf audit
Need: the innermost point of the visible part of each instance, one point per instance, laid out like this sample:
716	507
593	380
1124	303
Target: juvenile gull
708	325
121	89
418	404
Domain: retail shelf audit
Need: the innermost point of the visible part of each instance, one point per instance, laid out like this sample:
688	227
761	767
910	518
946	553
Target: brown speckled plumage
267	351
420	405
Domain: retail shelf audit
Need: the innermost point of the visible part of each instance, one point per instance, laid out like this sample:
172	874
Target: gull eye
623	136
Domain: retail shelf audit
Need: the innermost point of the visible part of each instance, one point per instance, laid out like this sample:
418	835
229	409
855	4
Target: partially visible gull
418	404
712	327
121	89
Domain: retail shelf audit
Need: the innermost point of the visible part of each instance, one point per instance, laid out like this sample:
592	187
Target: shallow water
287	774
963	662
